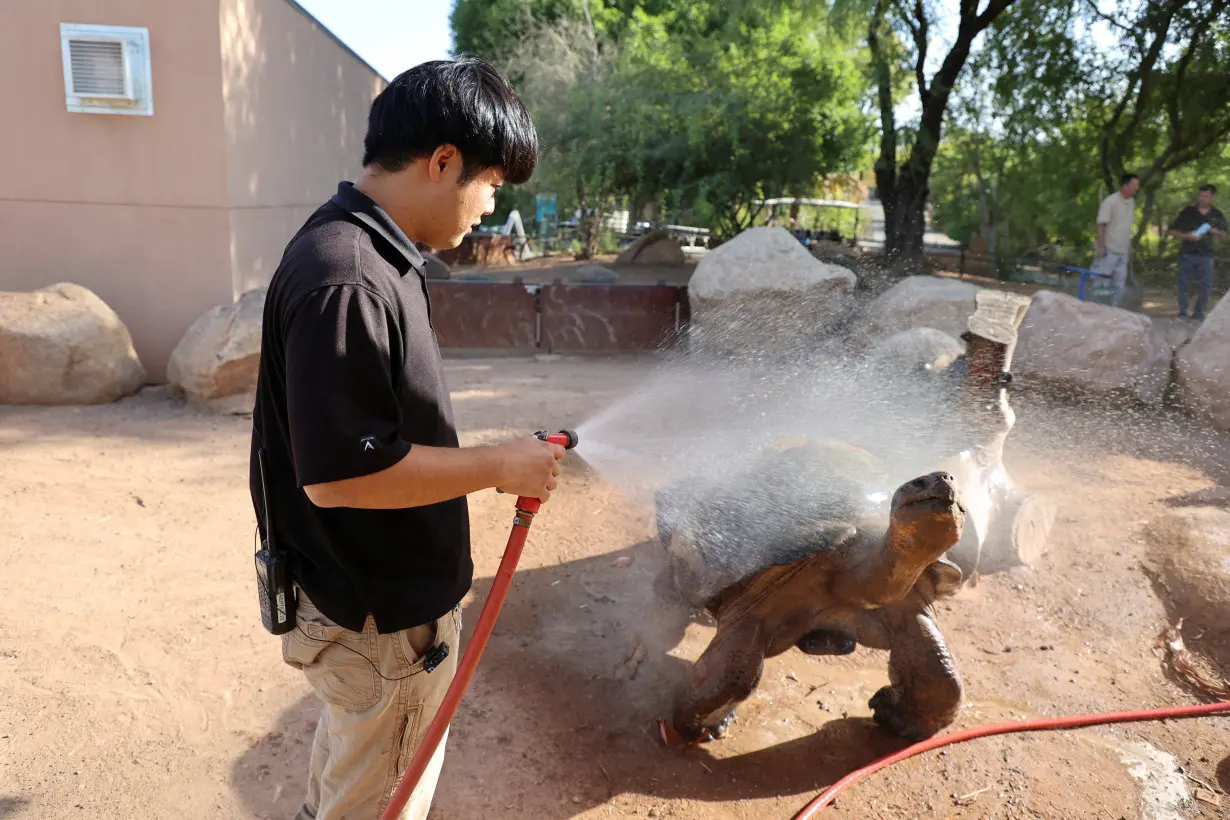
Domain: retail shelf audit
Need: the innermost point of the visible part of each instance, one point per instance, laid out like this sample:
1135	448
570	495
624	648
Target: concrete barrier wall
556	318
609	317
482	315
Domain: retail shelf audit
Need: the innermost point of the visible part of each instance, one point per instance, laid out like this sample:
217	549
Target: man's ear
442	162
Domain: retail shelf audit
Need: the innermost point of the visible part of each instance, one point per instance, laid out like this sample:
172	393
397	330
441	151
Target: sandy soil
136	681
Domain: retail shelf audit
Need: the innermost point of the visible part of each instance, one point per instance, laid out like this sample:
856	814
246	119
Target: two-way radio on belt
274	587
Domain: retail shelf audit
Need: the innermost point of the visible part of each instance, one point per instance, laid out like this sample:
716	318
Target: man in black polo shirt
366	480
1196	252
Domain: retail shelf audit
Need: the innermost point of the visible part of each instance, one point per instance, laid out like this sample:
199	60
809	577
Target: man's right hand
530	467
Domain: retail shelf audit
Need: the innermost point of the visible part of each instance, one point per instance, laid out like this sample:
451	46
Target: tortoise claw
893	717
671	738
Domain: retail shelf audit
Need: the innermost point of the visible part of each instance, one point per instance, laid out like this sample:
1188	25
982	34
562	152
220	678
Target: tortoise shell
789	503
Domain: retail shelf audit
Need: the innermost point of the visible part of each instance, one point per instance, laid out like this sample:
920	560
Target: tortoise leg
724	676
925	691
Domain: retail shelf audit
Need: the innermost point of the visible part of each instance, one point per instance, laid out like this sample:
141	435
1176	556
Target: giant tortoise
804	549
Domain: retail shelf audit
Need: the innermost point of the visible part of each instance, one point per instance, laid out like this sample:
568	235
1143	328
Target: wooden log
1020	531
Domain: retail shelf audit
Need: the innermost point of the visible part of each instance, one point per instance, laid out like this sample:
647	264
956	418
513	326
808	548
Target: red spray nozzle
564	438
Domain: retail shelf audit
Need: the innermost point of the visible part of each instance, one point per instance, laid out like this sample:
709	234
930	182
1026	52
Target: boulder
1092	348
762	290
917	350
919	301
436	267
64	345
1204	368
1188	554
654	248
594	275
216	362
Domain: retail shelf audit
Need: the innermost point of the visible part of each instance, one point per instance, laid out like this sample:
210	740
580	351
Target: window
106	69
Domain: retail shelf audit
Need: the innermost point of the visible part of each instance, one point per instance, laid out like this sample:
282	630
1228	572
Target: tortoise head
927	515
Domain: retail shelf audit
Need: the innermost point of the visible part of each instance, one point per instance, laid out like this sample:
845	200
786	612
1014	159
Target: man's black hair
466	103
1126	178
1210	187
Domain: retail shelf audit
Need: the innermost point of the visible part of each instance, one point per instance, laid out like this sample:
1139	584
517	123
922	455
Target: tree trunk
591	224
904	189
904	226
1148	211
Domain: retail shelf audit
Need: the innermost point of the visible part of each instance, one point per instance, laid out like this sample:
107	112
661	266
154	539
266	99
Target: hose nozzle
564	438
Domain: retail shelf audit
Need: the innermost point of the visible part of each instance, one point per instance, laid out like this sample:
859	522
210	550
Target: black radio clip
434	657
274	587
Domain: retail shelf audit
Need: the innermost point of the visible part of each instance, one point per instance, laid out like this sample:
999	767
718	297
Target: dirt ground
137	682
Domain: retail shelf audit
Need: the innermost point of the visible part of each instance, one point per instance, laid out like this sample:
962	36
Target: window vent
106	69
99	69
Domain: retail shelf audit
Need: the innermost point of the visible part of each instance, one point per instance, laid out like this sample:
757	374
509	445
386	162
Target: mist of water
704	419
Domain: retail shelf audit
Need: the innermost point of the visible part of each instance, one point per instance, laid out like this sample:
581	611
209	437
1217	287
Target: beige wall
296	105
258	113
133	208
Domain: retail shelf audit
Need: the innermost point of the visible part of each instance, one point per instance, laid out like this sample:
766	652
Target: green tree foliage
768	109
495	29
699	106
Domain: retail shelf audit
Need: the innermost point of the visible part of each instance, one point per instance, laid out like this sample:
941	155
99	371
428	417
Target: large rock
64	345
762	290
1204	368
1189	555
654	248
1093	349
919	301
917	350
216	362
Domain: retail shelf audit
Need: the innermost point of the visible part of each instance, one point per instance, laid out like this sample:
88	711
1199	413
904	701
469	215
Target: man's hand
1099	251
529	467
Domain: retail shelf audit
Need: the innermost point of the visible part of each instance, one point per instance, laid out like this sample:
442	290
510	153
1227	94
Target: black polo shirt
350	379
1188	220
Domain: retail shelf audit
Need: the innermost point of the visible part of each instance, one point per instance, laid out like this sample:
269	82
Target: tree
698	106
740	104
903	184
567	82
496	29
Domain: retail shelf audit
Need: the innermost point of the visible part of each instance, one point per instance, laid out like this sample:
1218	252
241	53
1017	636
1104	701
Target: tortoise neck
906	550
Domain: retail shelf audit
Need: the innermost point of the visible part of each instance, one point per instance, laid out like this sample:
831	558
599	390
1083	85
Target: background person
1196	252
366	479
1114	234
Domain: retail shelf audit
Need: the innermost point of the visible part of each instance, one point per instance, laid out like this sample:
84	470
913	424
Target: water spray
527	508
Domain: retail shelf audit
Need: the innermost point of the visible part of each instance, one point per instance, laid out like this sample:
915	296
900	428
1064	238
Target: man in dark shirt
367	484
1196	252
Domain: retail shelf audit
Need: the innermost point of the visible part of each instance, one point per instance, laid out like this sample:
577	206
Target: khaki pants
375	714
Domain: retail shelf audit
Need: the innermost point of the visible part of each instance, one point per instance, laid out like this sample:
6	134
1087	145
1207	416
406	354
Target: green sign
545	214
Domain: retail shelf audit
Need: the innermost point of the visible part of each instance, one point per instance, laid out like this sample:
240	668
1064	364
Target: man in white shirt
1115	217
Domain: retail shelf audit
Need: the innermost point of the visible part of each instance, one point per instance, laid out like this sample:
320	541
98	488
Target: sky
392	35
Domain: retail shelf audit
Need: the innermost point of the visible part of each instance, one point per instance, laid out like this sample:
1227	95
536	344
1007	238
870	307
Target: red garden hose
826	797
527	508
